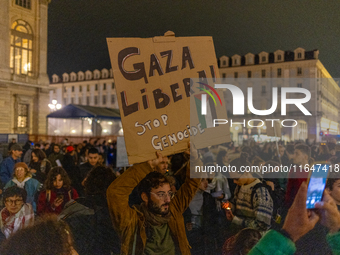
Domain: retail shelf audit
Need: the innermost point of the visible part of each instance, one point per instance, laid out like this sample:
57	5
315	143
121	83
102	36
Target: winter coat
127	220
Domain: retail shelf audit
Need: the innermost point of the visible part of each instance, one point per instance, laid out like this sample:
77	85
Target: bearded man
157	225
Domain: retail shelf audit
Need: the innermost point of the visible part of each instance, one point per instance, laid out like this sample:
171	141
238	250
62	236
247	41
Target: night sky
78	28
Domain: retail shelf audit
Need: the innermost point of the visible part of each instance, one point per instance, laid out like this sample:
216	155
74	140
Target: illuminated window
21	48
22	115
24	3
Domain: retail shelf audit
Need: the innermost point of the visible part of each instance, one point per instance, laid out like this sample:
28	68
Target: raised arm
188	190
118	195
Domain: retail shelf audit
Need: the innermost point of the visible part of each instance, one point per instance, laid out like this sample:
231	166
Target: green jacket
274	243
125	219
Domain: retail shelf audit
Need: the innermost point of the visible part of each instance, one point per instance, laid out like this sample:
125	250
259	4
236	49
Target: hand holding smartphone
316	185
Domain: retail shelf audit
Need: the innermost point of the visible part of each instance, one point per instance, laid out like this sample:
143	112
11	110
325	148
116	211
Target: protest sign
153	86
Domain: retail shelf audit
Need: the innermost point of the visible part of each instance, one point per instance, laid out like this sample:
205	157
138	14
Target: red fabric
295	179
45	206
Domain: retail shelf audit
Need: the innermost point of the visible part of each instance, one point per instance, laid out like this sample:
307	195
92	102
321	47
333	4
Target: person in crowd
111	155
47	149
72	170
7	165
158	222
78	151
25	148
201	221
289	155
47	236
28	154
298	223
56	155
223	183
242	242
101	160
301	159
333	187
266	153
40	166
323	154
14	141
17	214
22	178
93	157
88	217
57	193
247	211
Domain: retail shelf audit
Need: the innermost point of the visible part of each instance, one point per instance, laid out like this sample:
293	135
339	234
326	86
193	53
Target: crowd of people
83	204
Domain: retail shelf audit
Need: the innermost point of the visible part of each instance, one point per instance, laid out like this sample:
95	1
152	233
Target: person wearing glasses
157	225
17	214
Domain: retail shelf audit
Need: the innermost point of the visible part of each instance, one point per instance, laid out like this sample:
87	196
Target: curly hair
47	236
14	191
151	181
39	153
52	176
98	180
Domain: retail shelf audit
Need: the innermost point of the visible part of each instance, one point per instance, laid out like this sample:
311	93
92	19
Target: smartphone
316	185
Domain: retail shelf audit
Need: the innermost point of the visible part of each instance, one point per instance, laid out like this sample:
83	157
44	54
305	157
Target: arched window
21	48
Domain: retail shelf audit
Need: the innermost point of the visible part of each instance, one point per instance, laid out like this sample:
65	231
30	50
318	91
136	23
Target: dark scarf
153	219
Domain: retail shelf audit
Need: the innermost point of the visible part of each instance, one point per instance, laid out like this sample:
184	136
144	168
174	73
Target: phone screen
317	183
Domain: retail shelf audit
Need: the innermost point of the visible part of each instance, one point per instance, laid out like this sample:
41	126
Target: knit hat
21	164
69	149
16	147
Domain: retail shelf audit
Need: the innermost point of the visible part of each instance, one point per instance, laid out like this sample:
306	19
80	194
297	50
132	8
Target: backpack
278	196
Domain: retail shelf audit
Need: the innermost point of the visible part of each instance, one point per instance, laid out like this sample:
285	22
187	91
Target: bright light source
121	132
27	67
264	127
236	128
73	131
52	106
88	131
110	123
54	101
58	106
105	130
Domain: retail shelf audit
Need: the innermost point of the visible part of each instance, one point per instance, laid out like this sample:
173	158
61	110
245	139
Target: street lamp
54	106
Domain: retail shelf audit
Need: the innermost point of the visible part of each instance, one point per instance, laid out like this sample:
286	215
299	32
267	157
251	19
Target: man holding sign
157	225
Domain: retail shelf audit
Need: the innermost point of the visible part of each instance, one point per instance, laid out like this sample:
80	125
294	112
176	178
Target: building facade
90	88
23	67
298	68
